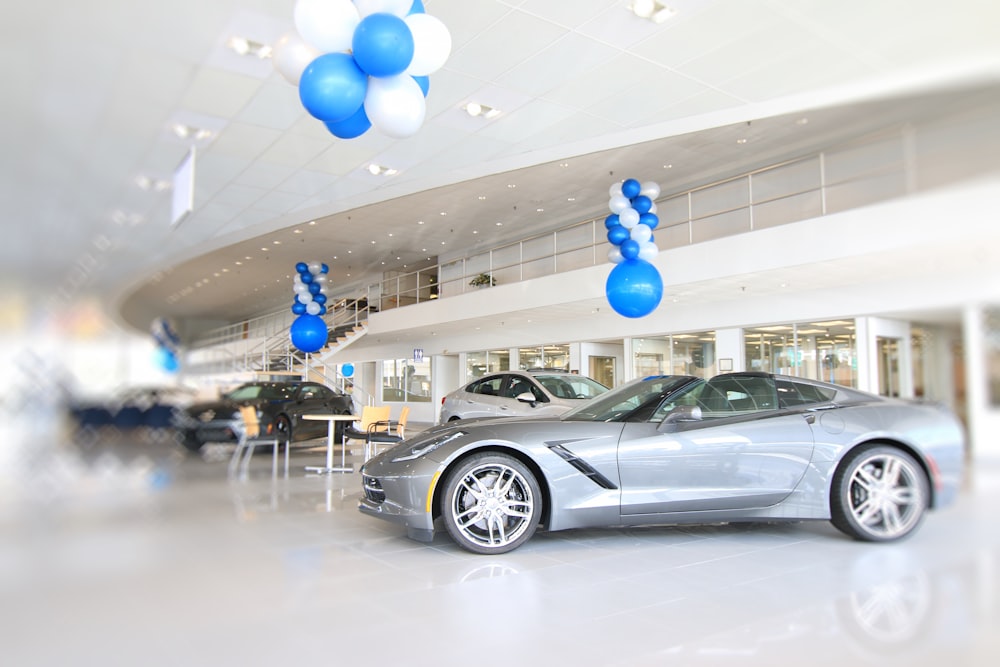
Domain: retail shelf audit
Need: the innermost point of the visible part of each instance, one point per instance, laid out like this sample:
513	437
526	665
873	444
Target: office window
478	364
545	356
678	354
819	350
406	380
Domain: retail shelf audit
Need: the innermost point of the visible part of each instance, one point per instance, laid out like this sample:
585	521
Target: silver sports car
673	450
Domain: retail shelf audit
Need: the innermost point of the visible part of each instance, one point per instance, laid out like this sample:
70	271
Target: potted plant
483	280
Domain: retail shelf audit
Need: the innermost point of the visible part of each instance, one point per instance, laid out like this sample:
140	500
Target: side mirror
526	397
682	413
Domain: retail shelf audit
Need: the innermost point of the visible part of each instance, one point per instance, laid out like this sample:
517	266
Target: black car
280	406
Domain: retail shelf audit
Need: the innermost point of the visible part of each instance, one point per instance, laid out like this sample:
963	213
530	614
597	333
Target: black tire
191	442
879	494
491	503
283	430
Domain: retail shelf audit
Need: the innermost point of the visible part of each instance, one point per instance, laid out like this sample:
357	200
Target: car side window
792	394
518	385
309	393
487	386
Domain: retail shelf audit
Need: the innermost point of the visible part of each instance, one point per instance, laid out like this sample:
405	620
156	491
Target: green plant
482	280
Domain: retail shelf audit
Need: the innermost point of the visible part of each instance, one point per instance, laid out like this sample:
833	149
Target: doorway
888	366
602	369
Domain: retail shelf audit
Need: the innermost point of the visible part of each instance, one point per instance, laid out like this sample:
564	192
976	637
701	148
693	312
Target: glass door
888	366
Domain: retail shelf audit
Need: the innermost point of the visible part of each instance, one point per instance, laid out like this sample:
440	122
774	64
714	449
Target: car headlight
420	448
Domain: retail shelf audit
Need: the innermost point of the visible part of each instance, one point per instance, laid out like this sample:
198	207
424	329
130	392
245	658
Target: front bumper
403	500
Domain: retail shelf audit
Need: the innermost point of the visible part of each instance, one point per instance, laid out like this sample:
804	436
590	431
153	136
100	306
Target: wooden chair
388	437
249	438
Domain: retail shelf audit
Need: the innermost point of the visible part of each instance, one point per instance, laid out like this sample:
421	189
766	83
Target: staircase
346	323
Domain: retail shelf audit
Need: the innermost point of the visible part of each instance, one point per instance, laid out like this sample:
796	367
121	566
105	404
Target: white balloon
301	288
327	25
313	308
619	203
297	279
615	255
321	279
306	297
648	250
652	208
397	7
315	268
431	44
641	233
629	218
650	189
395	105
615	190
291	56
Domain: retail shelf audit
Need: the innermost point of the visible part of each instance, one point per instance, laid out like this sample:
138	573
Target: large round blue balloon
299	308
642	203
167	360
333	87
382	44
302	267
308	333
634	288
424	82
651	220
352	126
612	221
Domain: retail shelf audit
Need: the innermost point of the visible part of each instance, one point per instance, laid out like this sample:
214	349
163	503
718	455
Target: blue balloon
299	308
167	360
612	221
333	87
302	267
308	333
424	82
417	8
322	310
651	220
319	298
382	44
634	288
306	277
618	235
631	188
630	249
352	126
642	204
314	288
323	268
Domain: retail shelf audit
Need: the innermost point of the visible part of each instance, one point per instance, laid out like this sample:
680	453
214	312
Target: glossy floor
133	554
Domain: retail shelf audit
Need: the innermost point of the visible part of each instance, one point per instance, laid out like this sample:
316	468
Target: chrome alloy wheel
884	495
491	504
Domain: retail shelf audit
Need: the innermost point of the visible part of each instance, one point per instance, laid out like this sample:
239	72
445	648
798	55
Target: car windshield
270	392
618	404
571	386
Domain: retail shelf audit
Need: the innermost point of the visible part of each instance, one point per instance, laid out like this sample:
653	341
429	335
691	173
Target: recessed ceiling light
148	184
379	170
478	110
248	47
239	263
511	185
741	141
539	210
276	242
297	231
653	10
312	222
190	132
482	197
444	212
499	224
570	198
420	222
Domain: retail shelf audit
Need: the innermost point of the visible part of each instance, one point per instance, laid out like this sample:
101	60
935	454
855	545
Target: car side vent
581	465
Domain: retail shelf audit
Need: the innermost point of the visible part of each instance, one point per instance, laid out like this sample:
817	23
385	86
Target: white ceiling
93	88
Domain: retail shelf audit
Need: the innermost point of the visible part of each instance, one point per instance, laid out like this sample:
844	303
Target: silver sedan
676	450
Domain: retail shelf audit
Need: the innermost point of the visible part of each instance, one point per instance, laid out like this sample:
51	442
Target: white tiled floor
134	555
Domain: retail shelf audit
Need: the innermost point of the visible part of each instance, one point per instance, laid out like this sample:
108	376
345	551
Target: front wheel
491	504
879	494
283	430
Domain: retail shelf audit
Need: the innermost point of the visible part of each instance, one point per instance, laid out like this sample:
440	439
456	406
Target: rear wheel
879	494
283	429
491	504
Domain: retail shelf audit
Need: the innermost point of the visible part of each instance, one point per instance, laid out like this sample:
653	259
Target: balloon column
634	287
308	331
363	63
168	344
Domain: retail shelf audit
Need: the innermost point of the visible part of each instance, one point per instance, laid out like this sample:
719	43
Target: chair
373	419
249	438
387	437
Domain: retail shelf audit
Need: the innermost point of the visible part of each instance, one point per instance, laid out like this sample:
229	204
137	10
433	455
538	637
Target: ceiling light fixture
477	110
248	47
148	184
191	132
379	170
652	10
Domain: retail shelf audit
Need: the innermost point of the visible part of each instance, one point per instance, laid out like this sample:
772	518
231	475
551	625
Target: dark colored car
280	406
132	408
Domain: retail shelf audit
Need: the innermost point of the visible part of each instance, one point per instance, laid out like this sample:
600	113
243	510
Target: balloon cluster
634	287
308	331
168	344
363	63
